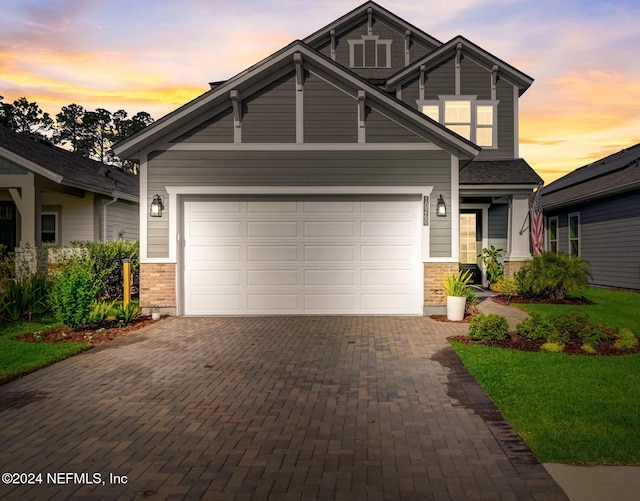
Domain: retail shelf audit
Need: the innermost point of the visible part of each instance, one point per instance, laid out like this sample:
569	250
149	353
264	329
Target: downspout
104	217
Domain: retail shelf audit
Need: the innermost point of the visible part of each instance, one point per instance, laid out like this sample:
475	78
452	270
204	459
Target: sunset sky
155	55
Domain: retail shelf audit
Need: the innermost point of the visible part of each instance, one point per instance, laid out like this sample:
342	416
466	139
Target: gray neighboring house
345	174
49	195
594	212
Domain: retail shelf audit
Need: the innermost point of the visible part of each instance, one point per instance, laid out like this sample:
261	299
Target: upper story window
370	52
465	115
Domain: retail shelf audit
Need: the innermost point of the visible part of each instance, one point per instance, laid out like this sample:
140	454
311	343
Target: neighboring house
52	196
594	212
335	176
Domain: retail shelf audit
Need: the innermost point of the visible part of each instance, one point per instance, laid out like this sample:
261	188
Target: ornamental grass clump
491	327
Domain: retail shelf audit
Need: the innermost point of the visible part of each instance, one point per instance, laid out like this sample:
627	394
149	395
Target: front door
471	243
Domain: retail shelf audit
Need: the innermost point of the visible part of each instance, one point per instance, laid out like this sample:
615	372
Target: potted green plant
456	288
491	259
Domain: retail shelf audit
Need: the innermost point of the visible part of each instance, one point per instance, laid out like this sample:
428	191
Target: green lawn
18	358
613	308
569	408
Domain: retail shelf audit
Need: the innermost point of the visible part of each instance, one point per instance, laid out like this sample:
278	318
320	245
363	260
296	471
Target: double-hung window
467	116
574	233
370	52
49	227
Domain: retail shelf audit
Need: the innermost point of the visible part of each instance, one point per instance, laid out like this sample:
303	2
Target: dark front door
7	226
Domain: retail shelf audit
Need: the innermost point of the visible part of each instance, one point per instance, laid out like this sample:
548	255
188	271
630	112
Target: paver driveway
265	408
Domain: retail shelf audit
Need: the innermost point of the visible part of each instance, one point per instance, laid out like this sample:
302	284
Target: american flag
535	218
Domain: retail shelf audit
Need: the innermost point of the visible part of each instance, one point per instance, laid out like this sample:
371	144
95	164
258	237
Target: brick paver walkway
328	408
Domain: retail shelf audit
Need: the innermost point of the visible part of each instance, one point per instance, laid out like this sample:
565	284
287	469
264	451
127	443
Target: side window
552	243
49	227
574	233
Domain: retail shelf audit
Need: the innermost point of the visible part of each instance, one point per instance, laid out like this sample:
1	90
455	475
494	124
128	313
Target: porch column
25	201
518	234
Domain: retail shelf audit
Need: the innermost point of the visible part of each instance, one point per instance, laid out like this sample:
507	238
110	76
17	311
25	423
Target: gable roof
613	174
67	168
258	74
493	172
357	15
479	55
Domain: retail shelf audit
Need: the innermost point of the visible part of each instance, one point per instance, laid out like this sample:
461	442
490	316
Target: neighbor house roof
615	173
492	172
67	168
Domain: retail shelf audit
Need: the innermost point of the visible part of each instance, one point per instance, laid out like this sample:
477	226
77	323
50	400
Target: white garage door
315	256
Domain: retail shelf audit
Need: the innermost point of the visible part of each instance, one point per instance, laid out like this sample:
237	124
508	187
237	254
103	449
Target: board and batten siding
301	168
498	226
609	239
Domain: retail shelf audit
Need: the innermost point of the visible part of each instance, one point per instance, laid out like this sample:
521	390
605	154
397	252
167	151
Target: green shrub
594	334
74	291
569	324
99	312
552	275
26	296
505	285
105	260
491	327
626	340
491	259
534	328
552	347
126	314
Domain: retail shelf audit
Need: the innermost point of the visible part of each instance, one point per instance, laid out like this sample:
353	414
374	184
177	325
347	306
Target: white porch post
518	235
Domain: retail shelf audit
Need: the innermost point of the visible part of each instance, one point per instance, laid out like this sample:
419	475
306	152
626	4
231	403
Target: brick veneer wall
433	286
158	286
512	267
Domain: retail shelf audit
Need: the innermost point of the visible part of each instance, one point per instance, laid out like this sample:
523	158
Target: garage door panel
386	253
222	278
272	253
388	278
329	229
324	253
278	277
272	302
305	256
329	277
330	302
214	253
272	229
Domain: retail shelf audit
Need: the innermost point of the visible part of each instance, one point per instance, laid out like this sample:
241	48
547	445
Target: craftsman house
345	174
51	196
594	212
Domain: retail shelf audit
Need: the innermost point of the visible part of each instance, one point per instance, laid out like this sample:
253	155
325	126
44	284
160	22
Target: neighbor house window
553	234
370	52
472	119
49	227
574	234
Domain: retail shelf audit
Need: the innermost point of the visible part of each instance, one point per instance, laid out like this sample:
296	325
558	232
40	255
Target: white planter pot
155	315
455	307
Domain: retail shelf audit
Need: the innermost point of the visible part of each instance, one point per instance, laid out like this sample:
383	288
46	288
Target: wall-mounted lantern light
157	206
441	207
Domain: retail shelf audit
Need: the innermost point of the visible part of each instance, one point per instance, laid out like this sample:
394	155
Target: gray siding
269	115
474	79
385	168
218	129
380	129
123	216
440	81
330	115
609	239
506	149
411	93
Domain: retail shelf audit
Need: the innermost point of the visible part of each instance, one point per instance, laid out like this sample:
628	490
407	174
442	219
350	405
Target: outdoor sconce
157	206
441	207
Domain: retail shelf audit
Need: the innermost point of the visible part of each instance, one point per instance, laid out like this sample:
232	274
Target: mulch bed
443	318
575	301
107	331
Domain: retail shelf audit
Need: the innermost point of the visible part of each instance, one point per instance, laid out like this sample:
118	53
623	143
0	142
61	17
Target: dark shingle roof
516	171
612	174
75	170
